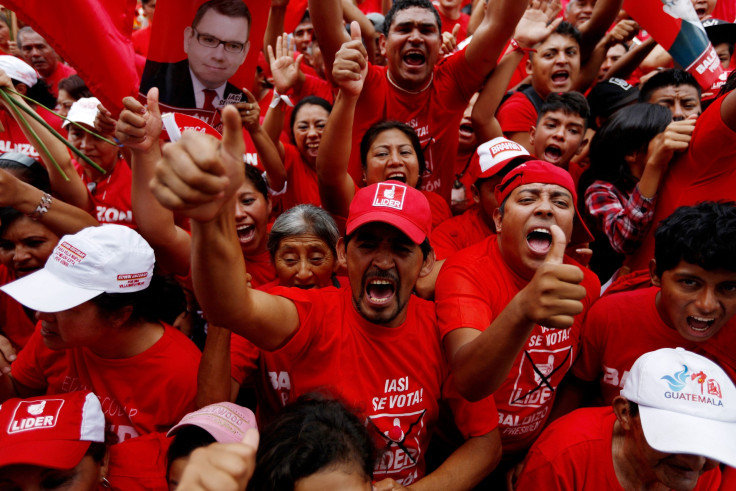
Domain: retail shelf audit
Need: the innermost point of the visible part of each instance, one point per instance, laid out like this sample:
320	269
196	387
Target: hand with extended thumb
351	63
199	174
552	297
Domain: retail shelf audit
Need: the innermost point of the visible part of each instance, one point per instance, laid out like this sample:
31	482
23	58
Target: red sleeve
712	141
444	240
243	359
588	364
472	418
517	114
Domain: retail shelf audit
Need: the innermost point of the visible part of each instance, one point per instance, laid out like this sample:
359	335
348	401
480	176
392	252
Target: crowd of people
443	245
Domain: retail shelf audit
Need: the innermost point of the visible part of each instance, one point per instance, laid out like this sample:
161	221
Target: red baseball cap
394	203
546	173
50	431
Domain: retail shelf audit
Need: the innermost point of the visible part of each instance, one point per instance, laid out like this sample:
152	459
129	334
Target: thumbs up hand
351	64
552	297
199	174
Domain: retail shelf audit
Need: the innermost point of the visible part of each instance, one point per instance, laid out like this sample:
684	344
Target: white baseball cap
105	259
83	111
19	70
687	404
492	156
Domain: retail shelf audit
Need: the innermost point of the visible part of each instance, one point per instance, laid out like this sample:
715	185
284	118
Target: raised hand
284	68
449	41
552	297
538	22
675	138
199	174
351	63
7	355
250	111
139	126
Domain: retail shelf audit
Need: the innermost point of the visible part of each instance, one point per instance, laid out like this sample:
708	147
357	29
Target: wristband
43	206
278	98
515	46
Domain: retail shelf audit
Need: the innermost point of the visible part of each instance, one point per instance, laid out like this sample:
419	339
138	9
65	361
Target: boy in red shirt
692	304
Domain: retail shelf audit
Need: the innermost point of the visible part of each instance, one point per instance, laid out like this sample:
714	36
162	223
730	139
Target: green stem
41	144
63	140
63	117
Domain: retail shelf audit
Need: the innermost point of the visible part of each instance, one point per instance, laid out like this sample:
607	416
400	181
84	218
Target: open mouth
700	12
700	324
539	240
414	58
312	148
305	287
397	176
560	77
466	130
380	291
552	153
246	233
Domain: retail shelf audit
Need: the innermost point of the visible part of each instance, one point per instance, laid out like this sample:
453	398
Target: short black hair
186	441
315	432
75	87
568	102
163	300
370	136
400	5
674	77
703	234
567	29
228	8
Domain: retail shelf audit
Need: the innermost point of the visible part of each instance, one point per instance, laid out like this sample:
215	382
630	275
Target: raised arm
489	39
728	110
199	176
327	19
138	128
604	14
72	191
533	27
336	187
270	158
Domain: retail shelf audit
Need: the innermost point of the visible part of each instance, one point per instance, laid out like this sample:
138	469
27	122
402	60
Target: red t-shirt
392	376
14	322
448	24
473	287
12	138
438	206
435	114
459	232
575	453
620	328
517	114
62	71
706	172
112	195
260	269
301	180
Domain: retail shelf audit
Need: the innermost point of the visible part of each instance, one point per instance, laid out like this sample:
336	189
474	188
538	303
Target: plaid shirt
624	219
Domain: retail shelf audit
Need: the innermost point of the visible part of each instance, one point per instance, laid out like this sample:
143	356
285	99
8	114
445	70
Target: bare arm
214	383
626	65
481	361
275	25
675	138
327	18
621	33
604	13
139	128
489	39
72	191
267	151
533	27
476	15
199	176
728	110
351	13
336	187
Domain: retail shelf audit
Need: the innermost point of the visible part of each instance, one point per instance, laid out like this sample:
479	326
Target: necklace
391	81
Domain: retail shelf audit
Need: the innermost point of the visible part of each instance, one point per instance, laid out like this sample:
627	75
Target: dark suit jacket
174	83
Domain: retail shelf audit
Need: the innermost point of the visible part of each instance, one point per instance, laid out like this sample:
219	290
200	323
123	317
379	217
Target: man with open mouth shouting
692	304
510	307
372	343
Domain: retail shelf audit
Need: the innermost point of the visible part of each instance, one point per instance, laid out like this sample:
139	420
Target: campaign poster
675	25
202	53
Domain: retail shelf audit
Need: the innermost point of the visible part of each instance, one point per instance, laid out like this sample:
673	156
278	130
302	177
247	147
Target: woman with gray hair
302	244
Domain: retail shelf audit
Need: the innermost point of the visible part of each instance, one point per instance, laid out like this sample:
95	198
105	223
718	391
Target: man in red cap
373	343
508	307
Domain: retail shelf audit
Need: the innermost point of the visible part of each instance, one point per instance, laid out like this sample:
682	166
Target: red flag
294	13
93	36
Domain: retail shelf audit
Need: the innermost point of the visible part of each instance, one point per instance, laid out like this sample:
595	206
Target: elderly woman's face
304	261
